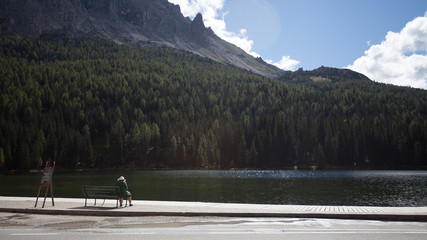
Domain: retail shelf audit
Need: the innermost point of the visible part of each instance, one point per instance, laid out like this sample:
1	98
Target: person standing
121	183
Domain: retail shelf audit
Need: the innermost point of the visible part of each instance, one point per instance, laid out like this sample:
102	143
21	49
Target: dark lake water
356	188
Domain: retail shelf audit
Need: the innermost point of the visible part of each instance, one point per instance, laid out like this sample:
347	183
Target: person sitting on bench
121	182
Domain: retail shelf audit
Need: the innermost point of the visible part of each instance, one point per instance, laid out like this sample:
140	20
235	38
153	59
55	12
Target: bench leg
85	202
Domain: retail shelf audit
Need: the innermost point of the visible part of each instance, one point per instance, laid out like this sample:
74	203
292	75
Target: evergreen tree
93	103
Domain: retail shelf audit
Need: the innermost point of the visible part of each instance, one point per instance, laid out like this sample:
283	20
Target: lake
355	188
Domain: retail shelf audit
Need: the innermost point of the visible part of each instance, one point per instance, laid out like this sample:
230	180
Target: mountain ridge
145	23
323	74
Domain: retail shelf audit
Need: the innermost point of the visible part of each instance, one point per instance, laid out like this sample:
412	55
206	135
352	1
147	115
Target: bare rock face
139	22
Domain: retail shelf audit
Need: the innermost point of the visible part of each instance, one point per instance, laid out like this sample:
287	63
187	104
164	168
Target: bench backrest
101	191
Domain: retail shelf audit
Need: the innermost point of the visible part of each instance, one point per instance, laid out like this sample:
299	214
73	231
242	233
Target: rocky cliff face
139	22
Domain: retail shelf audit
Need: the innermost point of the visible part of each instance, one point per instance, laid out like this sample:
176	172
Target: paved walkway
75	206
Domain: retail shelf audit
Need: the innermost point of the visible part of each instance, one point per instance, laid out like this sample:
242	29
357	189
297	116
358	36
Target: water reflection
358	188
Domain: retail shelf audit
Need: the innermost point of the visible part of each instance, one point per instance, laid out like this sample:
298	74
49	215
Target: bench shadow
96	208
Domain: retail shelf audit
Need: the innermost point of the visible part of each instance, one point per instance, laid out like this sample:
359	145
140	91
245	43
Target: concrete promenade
75	206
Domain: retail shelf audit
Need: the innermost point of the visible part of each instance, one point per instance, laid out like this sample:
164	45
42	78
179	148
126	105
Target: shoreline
307	168
75	206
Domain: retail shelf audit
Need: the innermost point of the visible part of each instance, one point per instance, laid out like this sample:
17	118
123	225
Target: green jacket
123	188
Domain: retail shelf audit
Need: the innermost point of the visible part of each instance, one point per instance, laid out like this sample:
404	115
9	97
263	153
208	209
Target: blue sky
386	40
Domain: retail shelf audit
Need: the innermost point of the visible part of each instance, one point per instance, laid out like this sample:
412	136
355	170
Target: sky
384	39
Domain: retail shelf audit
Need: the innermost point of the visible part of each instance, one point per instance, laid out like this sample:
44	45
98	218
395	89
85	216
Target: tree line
90	103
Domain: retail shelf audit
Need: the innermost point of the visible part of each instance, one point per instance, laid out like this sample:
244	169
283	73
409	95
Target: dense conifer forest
88	103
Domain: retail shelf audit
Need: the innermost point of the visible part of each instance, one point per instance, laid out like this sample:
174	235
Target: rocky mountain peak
198	22
138	22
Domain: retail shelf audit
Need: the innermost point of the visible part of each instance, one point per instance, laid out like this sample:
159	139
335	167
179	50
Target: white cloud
401	59
213	17
286	63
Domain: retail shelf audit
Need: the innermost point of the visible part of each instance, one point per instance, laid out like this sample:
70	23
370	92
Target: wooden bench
102	192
